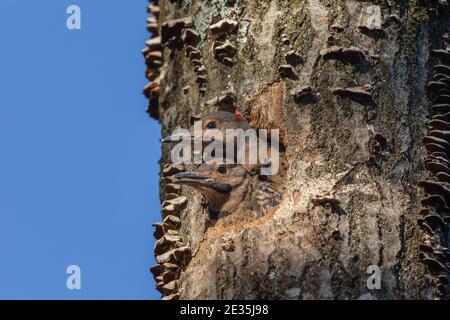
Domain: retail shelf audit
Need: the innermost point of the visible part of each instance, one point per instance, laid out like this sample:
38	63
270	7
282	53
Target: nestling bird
230	189
220	120
223	121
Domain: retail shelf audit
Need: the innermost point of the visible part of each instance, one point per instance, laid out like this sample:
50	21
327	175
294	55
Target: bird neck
228	203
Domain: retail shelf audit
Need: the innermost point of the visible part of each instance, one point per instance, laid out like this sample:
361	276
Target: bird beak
193	179
181	137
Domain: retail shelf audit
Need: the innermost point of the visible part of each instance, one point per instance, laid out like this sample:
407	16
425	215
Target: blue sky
79	155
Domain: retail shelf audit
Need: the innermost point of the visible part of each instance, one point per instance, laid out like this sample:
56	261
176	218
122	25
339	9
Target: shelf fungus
353	55
303	94
177	256
435	215
442	55
171	32
152	89
442	69
293	57
153	26
438	124
224	52
362	93
174	296
287	71
171	169
190	37
154	44
158	230
154	9
157	270
173	188
171	223
170	287
166	243
223	27
154	60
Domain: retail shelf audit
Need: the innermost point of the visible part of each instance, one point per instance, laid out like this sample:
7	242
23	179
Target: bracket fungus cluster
153	59
191	38
170	250
172	30
287	70
223	49
435	214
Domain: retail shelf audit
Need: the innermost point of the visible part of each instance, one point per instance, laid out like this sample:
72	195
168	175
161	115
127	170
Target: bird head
223	185
219	120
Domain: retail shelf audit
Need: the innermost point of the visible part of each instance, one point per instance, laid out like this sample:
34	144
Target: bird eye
222	170
211	125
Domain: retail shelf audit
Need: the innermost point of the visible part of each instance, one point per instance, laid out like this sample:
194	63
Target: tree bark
345	82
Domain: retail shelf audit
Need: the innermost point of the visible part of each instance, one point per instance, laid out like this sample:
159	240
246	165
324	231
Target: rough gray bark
352	107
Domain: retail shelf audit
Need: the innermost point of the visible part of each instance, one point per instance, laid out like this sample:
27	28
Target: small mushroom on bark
171	222
438	124
351	55
445	135
434	201
441	54
173	188
173	296
433	187
432	147
171	31
436	167
223	27
441	99
201	79
293	57
190	37
435	267
357	93
153	9
153	26
425	248
154	44
443	176
154	59
166	243
170	287
156	270
223	50
440	68
287	71
171	169
178	203
159	232
169	276
171	266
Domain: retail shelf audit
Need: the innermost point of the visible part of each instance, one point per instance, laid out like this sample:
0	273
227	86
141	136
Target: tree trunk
345	82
